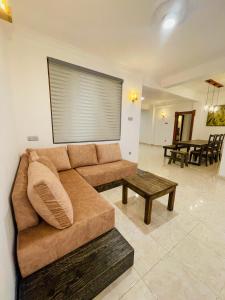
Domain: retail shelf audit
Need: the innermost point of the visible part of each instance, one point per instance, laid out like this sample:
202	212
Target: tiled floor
181	254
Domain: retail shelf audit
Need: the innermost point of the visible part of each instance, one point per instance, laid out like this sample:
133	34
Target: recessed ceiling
197	89
159	97
127	31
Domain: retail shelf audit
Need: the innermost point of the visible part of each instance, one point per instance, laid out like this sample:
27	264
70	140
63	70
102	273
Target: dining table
200	144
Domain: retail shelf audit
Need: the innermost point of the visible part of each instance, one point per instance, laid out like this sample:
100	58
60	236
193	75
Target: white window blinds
85	105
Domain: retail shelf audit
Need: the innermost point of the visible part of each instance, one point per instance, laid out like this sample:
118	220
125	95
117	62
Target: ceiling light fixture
169	22
212	107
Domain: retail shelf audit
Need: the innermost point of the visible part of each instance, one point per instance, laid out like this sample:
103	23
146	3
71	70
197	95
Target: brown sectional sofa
38	243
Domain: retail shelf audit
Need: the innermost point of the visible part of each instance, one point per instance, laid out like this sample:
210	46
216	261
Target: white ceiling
129	32
161	97
197	89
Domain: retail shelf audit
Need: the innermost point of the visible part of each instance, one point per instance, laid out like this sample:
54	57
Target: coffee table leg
124	199
171	200
148	210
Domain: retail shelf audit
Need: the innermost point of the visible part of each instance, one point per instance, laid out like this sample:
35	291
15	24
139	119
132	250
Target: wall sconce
133	96
163	115
5	11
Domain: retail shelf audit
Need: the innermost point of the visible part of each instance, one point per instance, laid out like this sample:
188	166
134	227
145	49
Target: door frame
182	113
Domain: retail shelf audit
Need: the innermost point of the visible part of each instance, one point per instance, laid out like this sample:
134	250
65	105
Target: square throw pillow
48	197
44	160
57	155
108	153
82	155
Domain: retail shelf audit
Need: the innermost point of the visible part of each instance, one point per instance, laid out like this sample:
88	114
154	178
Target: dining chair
212	139
206	153
218	147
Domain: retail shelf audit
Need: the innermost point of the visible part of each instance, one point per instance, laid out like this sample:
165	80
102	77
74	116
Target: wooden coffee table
150	187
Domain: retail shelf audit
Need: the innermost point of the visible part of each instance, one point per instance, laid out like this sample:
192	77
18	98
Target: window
85	105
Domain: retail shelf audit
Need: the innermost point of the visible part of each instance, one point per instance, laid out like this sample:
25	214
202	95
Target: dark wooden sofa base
83	273
113	184
108	186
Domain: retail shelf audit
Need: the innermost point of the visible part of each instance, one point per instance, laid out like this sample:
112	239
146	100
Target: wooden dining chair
206	153
212	139
218	147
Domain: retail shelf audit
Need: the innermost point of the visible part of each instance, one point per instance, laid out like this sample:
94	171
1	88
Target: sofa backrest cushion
82	155
48	197
44	160
108	153
57	155
25	214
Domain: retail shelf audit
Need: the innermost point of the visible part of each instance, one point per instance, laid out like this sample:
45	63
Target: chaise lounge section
38	243
43	244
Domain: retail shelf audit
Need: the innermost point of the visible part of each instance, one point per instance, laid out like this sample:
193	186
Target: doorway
183	126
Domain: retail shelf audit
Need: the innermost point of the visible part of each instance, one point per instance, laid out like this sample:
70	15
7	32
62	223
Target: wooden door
179	123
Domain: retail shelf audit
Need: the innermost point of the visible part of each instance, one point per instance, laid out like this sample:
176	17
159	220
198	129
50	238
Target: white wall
157	130
146	127
200	130
222	164
9	161
25	110
31	92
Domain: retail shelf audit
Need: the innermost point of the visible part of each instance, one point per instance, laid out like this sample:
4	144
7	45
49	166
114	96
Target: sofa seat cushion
43	244
105	173
82	155
57	155
108	153
25	214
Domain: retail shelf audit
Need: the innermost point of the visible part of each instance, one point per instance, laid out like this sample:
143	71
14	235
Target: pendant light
206	107
212	107
216	107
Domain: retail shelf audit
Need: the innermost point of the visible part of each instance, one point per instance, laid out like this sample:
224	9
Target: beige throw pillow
48	197
44	160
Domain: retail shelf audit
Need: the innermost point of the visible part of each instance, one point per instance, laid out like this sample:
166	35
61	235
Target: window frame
49	59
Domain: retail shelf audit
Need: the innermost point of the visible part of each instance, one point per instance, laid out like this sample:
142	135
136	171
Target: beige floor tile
141	265
147	253
168	235
186	222
170	280
212	239
134	211
212	214
221	295
120	286
139	292
202	262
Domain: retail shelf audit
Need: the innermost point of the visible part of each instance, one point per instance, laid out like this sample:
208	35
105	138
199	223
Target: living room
149	56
